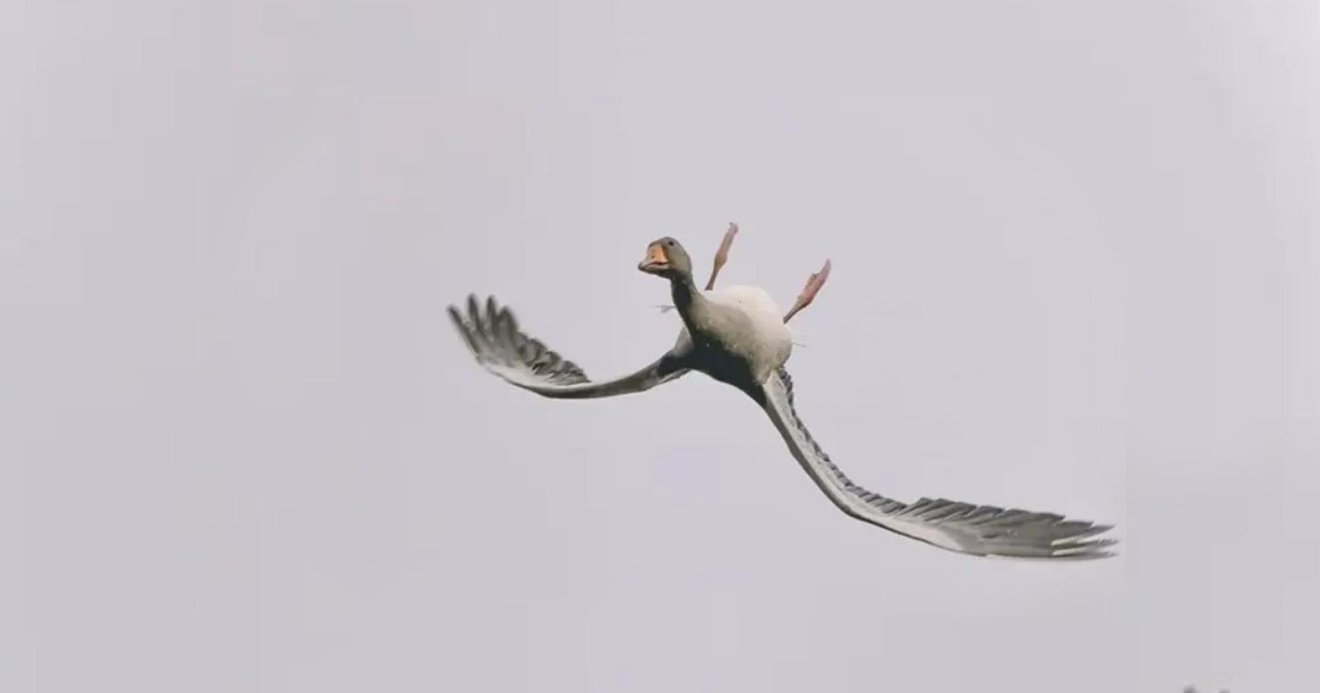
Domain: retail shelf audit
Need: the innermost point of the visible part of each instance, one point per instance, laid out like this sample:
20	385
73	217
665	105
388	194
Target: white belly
774	342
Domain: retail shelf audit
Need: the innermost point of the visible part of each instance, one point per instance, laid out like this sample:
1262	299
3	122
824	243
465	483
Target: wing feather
492	334
981	530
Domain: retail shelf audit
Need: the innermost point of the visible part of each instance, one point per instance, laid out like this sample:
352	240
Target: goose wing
980	530
500	347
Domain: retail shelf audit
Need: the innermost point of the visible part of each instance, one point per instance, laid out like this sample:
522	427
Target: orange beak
655	258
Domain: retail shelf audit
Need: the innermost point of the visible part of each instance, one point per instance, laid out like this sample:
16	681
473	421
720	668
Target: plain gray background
1077	268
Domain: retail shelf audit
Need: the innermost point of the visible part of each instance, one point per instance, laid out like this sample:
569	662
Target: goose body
736	336
758	334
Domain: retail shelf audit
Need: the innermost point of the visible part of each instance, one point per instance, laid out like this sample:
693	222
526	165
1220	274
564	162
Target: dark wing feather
491	332
981	530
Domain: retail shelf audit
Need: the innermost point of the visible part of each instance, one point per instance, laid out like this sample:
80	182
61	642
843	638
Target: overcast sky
1076	269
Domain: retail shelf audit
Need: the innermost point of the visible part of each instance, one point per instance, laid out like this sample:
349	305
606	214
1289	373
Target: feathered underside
983	530
503	349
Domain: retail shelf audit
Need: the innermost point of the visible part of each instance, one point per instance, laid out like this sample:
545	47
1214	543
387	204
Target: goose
737	336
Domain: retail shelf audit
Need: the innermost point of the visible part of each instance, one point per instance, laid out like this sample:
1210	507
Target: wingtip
1089	549
461	325
1084	531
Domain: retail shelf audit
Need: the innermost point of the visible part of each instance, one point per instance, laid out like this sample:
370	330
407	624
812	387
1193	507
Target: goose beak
655	259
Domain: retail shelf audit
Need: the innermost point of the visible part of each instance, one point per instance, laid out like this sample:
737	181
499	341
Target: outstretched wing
980	530
493	336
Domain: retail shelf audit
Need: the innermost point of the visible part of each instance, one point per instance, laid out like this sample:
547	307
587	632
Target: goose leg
809	291
722	255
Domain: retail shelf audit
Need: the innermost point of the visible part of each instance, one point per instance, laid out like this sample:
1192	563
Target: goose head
666	258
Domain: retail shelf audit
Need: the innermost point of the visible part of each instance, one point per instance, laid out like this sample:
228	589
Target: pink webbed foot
809	291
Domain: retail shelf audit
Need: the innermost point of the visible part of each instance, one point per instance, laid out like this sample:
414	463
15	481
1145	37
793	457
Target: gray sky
1076	268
